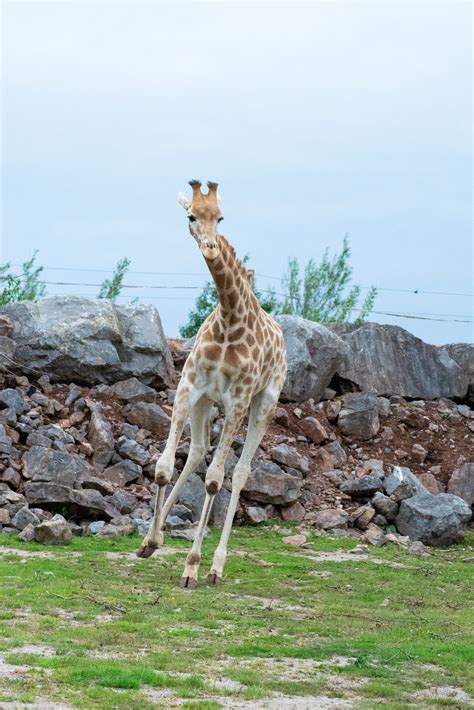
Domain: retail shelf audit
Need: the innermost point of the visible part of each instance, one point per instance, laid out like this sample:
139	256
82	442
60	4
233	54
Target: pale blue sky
316	119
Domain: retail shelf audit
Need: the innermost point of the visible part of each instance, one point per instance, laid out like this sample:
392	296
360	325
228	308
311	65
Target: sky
317	120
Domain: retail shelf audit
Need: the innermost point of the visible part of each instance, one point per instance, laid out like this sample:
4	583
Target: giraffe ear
183	201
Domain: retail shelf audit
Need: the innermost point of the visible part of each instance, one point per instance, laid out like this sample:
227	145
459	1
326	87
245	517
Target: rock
461	483
255	514
149	416
363	487
174	522
389	360
41	464
101	438
419	453
331	518
219	508
129	449
295	540
117	529
463	355
374	535
332	409
95	527
27	534
10	476
437	521
383	405
188	533
268	483
4	517
314	430
363	516
289	456
24	517
430	483
36	439
124	501
192	495
122	473
89	341
464	410
294	511
359	417
314	354
282	417
402	484
419	549
385	506
11	399
141	526
132	390
86	503
53	532
6	327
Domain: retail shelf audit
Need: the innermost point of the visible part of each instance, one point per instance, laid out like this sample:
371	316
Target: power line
415	291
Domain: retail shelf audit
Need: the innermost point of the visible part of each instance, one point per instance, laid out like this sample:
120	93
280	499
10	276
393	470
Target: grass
90	629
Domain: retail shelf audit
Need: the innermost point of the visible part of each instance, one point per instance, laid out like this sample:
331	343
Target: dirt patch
39	704
290	702
25	553
45	651
444	692
160	552
342	556
291	669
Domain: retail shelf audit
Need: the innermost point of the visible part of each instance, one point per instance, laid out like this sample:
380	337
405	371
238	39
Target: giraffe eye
220	219
191	218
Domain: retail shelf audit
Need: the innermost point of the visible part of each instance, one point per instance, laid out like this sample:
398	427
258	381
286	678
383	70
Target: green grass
122	634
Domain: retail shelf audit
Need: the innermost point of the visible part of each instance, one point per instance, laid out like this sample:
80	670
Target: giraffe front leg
261	413
164	471
214	479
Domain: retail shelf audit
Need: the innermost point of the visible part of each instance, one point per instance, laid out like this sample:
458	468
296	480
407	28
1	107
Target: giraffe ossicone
239	361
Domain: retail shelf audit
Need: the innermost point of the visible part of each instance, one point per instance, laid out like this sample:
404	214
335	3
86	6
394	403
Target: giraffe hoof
146	551
188	582
214	578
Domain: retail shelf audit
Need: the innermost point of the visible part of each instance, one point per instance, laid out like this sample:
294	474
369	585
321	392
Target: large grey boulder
435	520
359	416
463	354
314	354
461	483
268	483
90	341
391	361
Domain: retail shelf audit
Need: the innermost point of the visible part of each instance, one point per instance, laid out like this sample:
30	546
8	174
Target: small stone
332	409
359	418
383	406
362	517
374	535
461	483
464	410
385	506
331	518
418	548
27	534
25	517
101	439
419	452
430	483
289	456
402	484
314	430
53	532
95	527
295	540
361	487
255	514
295	511
4	516
282	417
129	449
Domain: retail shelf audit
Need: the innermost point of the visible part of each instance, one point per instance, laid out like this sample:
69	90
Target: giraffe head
203	216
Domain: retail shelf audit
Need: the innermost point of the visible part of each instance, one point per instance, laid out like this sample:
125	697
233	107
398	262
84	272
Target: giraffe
239	361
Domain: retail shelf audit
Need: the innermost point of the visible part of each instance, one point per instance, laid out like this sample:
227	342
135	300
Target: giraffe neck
231	280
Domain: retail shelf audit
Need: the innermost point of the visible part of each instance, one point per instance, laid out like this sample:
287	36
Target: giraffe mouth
209	249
